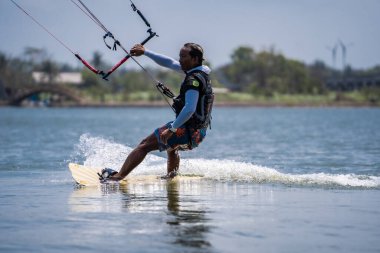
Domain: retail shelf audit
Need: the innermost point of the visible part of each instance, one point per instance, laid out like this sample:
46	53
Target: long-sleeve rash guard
164	60
191	96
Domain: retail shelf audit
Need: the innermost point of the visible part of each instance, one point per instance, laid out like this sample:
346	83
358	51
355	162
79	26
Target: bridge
15	96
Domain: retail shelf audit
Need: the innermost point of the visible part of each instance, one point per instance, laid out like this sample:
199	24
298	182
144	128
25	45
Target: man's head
190	56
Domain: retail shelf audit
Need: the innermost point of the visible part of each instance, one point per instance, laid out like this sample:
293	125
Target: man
193	112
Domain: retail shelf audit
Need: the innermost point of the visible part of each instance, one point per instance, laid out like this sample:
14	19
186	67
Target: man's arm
163	60
160	59
187	111
191	98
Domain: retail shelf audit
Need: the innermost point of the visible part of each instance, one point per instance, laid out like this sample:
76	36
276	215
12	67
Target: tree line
268	72
265	72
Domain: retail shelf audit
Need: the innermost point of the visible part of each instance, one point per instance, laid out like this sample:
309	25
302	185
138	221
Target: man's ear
196	58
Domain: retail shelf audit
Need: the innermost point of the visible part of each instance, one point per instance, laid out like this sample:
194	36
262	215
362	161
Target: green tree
97	60
243	55
35	55
240	71
268	72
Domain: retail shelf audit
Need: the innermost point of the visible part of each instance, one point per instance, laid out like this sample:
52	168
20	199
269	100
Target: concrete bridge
13	96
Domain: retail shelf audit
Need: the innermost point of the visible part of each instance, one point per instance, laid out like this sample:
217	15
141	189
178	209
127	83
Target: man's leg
173	161
147	145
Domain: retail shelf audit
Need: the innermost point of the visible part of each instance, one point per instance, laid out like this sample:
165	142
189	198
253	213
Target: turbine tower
344	51
333	50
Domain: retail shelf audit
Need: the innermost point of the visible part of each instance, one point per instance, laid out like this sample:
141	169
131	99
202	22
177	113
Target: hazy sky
300	29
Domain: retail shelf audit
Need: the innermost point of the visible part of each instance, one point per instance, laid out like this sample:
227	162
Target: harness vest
200	81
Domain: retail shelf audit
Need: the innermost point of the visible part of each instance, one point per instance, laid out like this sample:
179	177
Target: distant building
352	83
63	77
220	90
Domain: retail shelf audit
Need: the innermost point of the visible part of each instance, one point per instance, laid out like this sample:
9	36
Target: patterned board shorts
184	139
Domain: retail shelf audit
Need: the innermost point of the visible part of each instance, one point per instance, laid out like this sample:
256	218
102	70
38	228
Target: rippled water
275	180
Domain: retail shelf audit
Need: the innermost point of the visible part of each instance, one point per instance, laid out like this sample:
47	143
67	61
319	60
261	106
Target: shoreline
144	104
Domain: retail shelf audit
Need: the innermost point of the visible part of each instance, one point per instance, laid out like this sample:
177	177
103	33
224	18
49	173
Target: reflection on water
169	208
188	223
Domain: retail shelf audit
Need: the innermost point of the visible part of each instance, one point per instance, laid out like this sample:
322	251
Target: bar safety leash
165	92
116	43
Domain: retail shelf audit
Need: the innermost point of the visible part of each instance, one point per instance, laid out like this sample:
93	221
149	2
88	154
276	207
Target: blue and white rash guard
191	96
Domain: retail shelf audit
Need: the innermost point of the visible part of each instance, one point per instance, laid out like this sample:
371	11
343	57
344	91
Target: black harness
202	116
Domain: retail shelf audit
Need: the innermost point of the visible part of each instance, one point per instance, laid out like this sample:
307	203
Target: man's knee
172	152
148	144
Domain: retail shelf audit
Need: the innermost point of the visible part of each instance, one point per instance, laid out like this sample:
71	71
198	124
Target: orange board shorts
185	138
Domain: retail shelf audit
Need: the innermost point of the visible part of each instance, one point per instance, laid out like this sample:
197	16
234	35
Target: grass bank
330	99
150	98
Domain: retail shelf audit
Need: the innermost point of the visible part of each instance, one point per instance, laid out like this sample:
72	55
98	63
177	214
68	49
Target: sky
303	30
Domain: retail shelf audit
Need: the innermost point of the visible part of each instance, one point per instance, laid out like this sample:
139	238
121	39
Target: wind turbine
333	50
344	51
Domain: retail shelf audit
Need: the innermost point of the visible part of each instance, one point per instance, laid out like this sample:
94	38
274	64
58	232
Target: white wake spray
101	152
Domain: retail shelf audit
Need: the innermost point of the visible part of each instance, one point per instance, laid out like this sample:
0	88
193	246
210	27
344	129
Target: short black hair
195	51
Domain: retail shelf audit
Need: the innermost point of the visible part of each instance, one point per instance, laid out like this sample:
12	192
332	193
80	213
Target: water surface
275	180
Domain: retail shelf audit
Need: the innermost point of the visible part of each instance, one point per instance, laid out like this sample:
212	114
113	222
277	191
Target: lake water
275	180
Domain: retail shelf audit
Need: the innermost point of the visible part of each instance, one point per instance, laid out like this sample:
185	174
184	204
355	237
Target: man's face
185	59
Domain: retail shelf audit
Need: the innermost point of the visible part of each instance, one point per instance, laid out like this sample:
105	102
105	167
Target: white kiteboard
88	176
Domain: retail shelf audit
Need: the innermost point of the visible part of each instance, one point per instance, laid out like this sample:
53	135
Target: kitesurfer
192	107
